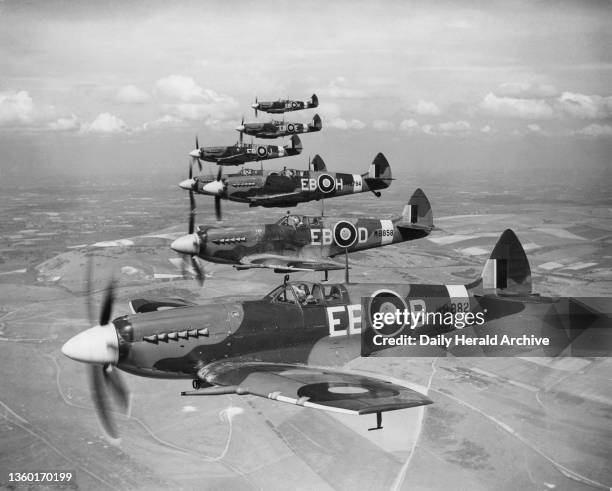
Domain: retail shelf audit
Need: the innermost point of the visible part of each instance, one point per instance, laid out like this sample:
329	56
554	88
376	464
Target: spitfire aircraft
241	153
284	105
279	346
303	243
288	187
277	129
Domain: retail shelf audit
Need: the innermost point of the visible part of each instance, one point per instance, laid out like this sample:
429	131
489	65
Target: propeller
189	245
255	106
99	348
240	129
195	156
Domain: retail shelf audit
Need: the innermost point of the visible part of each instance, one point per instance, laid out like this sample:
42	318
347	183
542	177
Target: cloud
486	129
534	128
454	127
409	125
595	130
65	124
343	124
526	91
164	121
510	107
427	108
339	88
130	94
585	106
18	108
180	87
448	128
105	123
383	125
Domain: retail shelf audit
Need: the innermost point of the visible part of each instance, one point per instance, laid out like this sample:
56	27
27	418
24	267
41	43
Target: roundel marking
326	183
294	104
345	234
386	301
262	151
290	128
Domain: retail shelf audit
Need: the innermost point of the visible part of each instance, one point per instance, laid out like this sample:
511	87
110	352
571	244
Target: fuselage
301	236
298	322
289	186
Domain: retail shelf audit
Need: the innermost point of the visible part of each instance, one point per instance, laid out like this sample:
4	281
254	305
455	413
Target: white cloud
428	129
105	123
180	87
534	127
409	125
130	94
427	108
595	130
510	107
486	129
65	124
162	122
343	124
339	88
585	106
382	125
526	91
18	108
454	127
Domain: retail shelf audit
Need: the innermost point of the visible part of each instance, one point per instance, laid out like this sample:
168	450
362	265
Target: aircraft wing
287	263
318	388
235	159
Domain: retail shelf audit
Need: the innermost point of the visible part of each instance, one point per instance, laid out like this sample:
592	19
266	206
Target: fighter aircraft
288	187
284	105
303	243
277	129
278	347
241	153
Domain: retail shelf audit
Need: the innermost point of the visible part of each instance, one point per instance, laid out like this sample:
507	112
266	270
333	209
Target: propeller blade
218	207
192	212
101	400
198	270
219	173
107	304
118	388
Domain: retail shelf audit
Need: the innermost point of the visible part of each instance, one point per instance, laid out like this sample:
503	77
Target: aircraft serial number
383	232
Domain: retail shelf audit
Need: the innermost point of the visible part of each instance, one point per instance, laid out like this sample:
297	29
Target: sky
108	87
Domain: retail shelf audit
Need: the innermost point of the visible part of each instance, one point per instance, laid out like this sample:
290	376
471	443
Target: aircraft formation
286	346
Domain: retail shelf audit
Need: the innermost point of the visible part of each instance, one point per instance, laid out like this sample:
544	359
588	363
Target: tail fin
314	101
417	213
318	164
507	270
296	146
316	123
380	168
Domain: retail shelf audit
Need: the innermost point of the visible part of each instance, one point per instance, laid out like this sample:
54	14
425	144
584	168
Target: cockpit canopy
308	293
299	221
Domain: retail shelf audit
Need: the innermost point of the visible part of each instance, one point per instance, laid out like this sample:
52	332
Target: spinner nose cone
98	344
214	188
187	184
187	244
255	106
195	153
240	128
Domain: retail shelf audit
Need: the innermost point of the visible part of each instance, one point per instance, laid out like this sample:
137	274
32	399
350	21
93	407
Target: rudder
418	211
507	270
